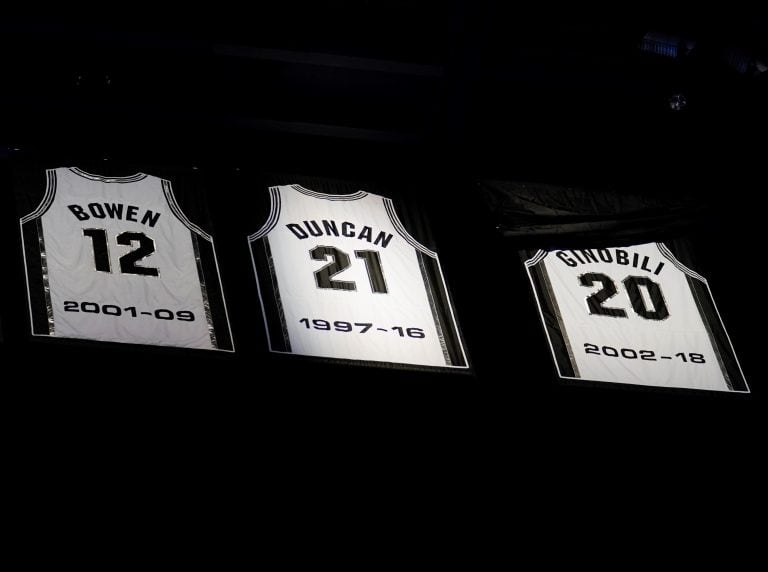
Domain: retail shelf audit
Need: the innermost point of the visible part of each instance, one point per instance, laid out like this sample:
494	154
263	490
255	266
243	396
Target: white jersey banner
634	315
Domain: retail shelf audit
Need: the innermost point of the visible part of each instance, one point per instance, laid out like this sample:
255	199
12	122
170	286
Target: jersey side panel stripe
213	294
553	322
204	290
449	358
718	337
46	278
269	296
442	311
37	288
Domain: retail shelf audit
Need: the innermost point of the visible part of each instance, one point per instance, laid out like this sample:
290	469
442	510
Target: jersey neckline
94	177
311	193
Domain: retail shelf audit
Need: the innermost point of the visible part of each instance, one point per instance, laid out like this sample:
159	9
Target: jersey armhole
666	253
536	258
274	214
45	202
393	218
176	210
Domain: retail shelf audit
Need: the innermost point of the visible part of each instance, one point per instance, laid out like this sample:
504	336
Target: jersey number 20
632	284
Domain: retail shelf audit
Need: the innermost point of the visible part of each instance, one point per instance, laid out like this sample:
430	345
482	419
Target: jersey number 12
129	261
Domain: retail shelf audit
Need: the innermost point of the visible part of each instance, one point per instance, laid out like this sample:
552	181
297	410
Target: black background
424	101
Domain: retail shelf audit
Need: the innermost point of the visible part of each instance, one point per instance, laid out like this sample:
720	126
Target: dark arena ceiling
510	90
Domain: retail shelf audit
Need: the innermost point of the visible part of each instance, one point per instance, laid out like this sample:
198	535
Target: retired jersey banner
632	314
340	277
115	258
